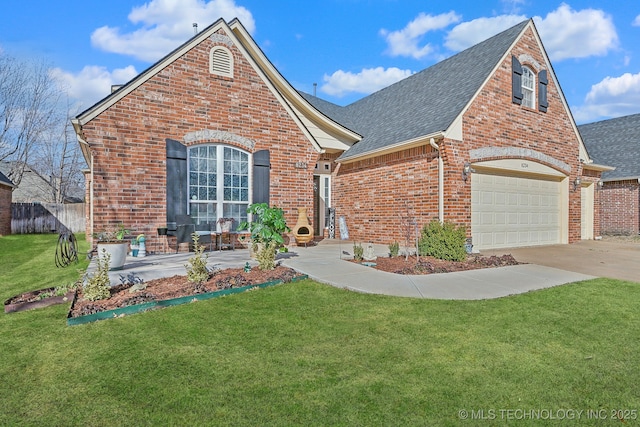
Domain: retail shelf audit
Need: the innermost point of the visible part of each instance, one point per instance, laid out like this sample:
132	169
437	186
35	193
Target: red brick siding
370	193
128	139
620	207
5	210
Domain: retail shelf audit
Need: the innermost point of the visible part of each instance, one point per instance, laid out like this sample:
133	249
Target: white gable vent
221	61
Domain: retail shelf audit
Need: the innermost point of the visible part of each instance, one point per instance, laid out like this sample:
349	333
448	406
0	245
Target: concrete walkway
327	263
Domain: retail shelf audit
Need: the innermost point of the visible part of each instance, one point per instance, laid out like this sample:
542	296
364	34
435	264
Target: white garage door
514	210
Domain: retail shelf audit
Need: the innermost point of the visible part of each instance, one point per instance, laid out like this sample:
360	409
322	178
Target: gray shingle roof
424	103
615	142
6	181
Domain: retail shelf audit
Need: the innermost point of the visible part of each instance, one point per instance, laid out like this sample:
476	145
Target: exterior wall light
466	171
600	184
577	183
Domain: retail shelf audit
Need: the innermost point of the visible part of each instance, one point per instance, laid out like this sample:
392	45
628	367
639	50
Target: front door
321	203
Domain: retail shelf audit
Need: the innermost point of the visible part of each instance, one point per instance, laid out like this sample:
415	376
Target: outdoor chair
186	227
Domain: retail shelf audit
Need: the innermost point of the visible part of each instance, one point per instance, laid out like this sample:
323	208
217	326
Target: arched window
528	88
221	61
218	183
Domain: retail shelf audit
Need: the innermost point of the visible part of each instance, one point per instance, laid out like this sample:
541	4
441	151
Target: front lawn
309	354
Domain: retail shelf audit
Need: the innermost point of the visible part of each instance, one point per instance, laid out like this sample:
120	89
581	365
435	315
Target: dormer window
523	88
221	62
528	88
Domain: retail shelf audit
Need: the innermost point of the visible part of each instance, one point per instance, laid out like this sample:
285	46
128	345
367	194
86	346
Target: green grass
309	354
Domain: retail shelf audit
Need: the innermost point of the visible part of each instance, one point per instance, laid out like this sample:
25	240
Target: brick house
6	194
616	142
484	139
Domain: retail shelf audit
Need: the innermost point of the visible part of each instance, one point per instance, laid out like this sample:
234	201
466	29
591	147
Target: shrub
358	252
266	255
394	249
98	284
443	241
197	271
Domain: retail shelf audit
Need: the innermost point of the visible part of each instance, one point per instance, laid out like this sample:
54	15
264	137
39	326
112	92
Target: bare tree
28	102
59	159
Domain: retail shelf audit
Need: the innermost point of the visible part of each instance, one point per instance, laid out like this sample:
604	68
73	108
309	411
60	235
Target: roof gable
615	142
427	102
237	35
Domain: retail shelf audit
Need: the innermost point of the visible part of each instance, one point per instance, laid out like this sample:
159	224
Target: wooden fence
34	218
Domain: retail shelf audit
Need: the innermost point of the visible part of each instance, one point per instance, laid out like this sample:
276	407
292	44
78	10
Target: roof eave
597	167
415	142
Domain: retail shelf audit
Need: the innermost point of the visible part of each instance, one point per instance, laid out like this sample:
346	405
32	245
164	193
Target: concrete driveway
602	258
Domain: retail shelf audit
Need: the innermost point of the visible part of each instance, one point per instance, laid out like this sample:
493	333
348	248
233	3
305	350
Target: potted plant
226	224
266	229
112	242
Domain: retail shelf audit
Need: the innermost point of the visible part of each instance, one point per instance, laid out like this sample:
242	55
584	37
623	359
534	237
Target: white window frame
220	202
528	87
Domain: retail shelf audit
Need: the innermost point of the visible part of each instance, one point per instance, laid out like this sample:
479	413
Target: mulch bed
429	265
178	286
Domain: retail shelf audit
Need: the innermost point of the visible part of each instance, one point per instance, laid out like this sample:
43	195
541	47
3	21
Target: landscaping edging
45	302
139	308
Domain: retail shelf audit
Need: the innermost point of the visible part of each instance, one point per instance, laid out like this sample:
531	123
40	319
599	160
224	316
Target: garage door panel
512	211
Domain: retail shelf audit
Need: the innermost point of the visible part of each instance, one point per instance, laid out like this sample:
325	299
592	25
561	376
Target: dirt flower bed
179	286
429	265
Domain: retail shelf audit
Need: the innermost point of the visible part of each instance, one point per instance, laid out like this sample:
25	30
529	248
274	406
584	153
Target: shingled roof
615	142
5	181
424	103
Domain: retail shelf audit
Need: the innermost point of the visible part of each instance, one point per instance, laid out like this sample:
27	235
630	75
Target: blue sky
350	48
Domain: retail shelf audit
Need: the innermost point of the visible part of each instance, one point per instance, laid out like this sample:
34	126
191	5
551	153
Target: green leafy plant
98	284
266	228
112	235
443	241
394	249
358	252
197	271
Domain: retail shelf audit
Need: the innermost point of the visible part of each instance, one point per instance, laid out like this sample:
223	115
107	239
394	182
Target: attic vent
221	62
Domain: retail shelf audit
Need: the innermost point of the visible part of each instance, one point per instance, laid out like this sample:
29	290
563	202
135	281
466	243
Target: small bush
197	271
443	241
266	255
98	284
394	249
358	252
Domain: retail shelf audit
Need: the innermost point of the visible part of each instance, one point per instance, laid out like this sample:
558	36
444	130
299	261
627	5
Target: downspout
432	142
91	197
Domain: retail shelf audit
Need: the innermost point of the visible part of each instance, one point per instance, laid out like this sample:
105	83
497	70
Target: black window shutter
176	181
261	175
543	103
516	81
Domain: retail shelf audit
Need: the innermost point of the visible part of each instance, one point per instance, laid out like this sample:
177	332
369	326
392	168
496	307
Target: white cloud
92	83
405	42
612	97
636	22
513	6
367	81
166	24
473	32
567	33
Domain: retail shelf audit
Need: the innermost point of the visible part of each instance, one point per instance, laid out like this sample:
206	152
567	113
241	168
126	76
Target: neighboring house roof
425	103
6	181
615	142
33	187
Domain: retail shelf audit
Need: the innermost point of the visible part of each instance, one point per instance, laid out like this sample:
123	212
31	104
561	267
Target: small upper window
221	62
528	88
